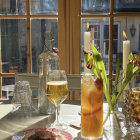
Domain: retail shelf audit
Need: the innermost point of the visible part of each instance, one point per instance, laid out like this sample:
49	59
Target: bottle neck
48	46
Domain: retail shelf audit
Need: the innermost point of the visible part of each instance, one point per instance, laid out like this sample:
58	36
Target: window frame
28	18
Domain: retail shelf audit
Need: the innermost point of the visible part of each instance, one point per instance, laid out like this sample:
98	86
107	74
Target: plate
43	134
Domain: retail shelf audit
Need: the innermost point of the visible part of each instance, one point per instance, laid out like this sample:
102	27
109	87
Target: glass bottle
47	60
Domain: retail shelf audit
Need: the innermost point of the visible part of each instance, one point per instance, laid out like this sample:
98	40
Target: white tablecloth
11	124
69	114
5	109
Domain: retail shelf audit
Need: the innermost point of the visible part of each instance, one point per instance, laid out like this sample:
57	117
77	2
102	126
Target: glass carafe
47	60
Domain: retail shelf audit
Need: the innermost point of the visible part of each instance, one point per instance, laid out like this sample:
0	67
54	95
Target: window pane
127	6
99	37
7	86
131	26
13	7
95	6
44	6
38	28
106	31
13	45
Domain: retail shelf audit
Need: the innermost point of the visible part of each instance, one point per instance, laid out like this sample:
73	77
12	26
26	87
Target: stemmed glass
57	91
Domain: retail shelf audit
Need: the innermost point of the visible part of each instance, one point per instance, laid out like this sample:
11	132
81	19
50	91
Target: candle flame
124	35
87	26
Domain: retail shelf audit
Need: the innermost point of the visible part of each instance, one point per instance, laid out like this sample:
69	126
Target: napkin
5	109
76	124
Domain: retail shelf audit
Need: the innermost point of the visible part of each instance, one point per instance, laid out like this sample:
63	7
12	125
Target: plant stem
125	82
116	119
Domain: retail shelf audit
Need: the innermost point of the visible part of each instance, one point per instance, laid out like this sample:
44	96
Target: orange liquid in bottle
91	109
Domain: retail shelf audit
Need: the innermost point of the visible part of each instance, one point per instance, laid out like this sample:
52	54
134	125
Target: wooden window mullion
111	22
28	37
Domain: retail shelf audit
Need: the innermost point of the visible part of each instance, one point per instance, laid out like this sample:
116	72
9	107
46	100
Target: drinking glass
57	91
91	107
22	96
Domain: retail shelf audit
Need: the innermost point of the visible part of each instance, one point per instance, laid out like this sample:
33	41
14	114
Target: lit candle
86	45
87	39
126	50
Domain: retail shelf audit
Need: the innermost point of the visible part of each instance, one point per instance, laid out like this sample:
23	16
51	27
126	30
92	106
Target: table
12	123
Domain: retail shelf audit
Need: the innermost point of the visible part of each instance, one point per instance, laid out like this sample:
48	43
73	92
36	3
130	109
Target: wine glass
57	91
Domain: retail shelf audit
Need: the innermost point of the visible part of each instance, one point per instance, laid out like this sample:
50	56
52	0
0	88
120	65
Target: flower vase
110	127
110	124
111	131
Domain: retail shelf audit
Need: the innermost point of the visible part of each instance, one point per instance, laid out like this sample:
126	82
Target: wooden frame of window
28	16
69	35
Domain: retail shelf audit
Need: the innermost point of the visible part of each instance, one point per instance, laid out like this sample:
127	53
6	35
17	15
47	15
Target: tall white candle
87	41
86	47
126	50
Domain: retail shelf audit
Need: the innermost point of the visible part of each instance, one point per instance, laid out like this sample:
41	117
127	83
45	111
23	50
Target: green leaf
99	67
87	56
129	69
130	72
130	57
126	81
99	63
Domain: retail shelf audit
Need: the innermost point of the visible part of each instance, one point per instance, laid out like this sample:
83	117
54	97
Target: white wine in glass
57	92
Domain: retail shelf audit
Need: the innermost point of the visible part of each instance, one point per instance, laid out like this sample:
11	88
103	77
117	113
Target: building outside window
101	41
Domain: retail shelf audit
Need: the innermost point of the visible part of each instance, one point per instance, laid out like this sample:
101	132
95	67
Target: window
100	40
120	17
37	37
13	45
23	23
127	6
22	27
116	47
95	6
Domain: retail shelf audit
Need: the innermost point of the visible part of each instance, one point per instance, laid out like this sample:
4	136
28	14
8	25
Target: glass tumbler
91	107
22	96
